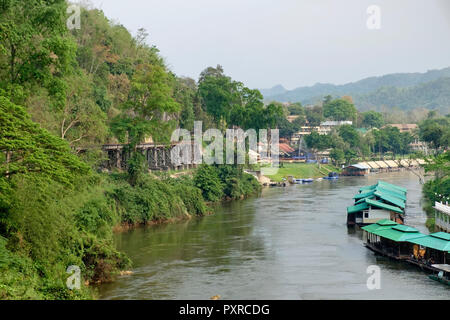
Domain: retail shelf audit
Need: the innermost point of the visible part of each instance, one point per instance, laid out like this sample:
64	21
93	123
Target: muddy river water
287	243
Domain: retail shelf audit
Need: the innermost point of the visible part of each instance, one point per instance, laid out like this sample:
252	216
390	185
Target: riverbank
302	171
437	188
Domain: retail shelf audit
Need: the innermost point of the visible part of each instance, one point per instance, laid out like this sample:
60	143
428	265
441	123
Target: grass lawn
302	171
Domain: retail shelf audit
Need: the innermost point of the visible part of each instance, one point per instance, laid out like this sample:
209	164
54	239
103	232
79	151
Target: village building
442	216
357	169
327	126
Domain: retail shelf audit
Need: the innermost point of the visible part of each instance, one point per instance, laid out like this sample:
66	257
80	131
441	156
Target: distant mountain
403	90
430	95
278	89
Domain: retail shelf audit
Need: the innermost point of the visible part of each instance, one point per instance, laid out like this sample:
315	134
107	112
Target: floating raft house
377	202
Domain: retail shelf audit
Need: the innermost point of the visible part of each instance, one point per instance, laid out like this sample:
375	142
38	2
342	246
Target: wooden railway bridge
158	156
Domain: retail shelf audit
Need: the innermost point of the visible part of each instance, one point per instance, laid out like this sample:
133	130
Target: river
288	243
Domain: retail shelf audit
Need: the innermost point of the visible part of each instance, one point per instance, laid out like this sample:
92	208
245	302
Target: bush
206	178
150	199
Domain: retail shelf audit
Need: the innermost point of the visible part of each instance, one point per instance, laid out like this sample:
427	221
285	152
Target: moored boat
442	273
332	176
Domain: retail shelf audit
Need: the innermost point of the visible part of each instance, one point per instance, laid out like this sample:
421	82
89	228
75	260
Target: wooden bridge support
158	157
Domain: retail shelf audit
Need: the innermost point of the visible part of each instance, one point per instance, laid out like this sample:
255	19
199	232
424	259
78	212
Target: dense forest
64	93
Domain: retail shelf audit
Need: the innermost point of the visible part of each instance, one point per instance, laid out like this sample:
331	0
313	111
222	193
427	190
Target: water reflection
289	243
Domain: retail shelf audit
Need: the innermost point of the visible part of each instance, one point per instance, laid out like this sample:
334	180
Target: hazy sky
291	42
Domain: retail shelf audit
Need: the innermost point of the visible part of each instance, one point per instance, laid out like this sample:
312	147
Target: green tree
144	114
318	142
350	135
149	100
339	110
296	109
186	96
372	119
314	115
337	155
30	149
435	131
217	92
34	45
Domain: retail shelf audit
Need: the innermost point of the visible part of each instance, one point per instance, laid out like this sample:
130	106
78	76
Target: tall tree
314	115
372	119
35	46
349	135
339	109
217	92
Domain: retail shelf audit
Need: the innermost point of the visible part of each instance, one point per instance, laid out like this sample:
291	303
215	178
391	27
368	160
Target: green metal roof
392	200
392	186
364	199
399	233
380	225
358	207
369	202
439	241
391	192
382	205
387	222
441	235
403	228
364	194
388	186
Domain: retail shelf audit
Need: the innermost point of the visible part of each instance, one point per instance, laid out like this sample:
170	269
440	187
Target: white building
442	216
327	126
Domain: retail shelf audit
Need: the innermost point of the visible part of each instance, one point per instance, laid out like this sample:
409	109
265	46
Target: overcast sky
291	42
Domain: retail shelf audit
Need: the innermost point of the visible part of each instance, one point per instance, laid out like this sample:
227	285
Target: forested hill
404	90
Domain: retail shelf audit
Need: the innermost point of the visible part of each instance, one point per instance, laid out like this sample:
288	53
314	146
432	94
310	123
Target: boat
297	181
332	176
307	180
442	273
278	184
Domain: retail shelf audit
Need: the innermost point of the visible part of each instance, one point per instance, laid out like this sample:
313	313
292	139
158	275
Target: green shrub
206	178
150	199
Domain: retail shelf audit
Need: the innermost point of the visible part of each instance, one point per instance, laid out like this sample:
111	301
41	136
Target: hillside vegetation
62	95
